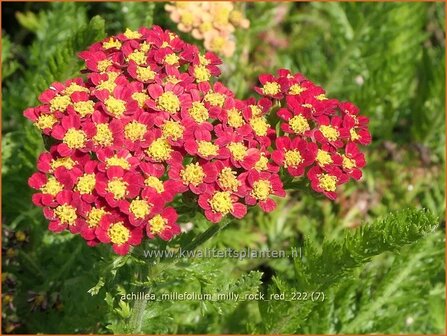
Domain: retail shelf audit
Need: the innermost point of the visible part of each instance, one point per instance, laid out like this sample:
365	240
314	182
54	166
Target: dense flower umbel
150	125
321	134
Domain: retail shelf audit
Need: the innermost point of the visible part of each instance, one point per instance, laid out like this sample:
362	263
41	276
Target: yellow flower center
236	17
261	190
327	182
348	163
140	208
84	107
321	97
86	184
108	84
271	88
66	162
171	79
256	111
171	59
292	158
160	150
217	43
75	138
145	46
52	187
145	74
130	34
309	106
329	132
45	121
169	102
354	135
118	233
154	182
238	150
112	43
215	99
262	163
104	64
103	136
259	125
205	26
66	214
172	129
323	158
227	179
60	103
117	187
116	107
235	118
117	161
299	124
193	174
73	87
157	224
296	89
94	216
135	131
207	148
198	112
222	16
187	19
203	60
201	73
221	202
138	57
140	97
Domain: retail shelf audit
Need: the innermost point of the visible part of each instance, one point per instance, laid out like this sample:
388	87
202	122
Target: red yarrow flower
163	225
260	187
216	204
195	176
114	229
294	155
326	182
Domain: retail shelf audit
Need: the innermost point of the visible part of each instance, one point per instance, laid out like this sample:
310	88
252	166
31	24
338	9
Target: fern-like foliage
326	270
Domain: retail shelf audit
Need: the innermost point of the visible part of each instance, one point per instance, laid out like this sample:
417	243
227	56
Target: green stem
136	318
205	236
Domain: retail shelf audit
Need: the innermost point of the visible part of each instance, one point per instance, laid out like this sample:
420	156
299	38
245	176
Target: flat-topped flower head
149	126
163	225
217	204
113	229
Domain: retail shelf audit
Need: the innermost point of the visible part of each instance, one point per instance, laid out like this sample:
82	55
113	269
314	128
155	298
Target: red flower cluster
149	123
321	134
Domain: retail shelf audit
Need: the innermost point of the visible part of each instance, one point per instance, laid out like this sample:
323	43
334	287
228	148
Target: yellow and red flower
195	176
217	204
117	184
163	225
326	182
294	155
115	229
260	187
64	214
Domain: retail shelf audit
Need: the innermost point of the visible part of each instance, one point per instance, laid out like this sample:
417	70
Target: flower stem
205	236
136	318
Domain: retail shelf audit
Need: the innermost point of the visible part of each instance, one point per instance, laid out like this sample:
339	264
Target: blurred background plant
384	277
